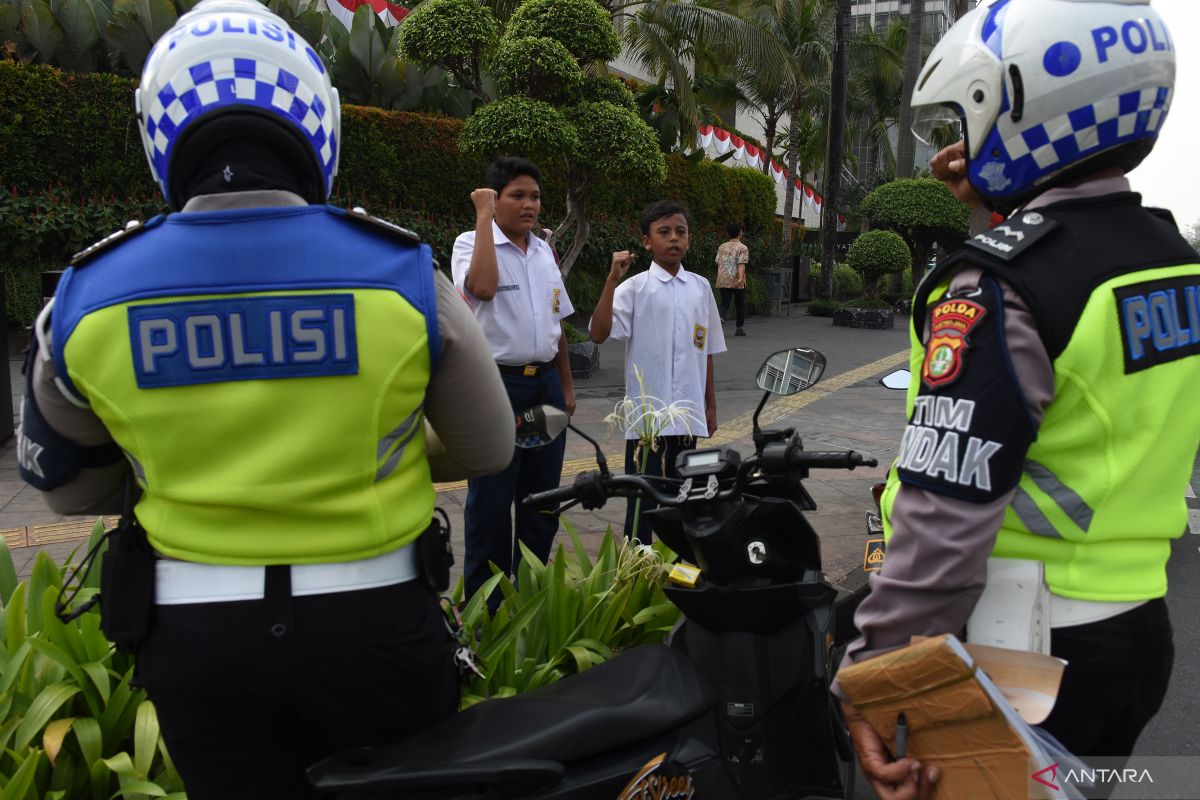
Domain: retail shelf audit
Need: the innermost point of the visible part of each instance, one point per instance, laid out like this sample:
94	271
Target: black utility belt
526	370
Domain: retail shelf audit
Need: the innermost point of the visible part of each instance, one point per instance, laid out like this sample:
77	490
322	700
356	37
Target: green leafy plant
846	282
573	334
584	28
456	35
875	254
535	65
922	212
566	616
71	726
74	171
822	308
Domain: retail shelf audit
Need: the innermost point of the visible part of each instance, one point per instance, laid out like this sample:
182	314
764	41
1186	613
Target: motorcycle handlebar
829	459
593	488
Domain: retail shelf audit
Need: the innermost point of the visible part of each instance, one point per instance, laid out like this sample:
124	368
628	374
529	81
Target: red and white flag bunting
724	141
390	13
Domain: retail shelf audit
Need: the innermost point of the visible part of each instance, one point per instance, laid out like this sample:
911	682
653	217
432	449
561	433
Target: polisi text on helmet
244	24
1136	35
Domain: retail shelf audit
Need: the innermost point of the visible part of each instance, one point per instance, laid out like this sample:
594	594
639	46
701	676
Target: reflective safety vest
1115	293
264	370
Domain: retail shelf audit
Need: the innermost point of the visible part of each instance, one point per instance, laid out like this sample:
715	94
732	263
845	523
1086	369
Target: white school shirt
670	326
523	322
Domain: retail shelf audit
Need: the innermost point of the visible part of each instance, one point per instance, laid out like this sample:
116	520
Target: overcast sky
1170	176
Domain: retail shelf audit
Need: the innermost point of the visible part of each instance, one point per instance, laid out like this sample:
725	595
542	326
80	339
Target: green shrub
77	130
602	89
822	308
458	32
573	334
517	124
865	302
875	254
582	25
535	66
846	282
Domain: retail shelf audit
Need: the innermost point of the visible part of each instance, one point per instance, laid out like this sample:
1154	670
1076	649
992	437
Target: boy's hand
485	202
622	260
710	419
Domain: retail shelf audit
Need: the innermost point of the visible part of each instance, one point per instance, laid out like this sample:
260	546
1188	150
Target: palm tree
906	143
682	41
876	81
803	28
659	105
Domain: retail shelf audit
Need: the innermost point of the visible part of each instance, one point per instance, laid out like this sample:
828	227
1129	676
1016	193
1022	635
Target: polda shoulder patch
1013	236
359	214
131	229
951	323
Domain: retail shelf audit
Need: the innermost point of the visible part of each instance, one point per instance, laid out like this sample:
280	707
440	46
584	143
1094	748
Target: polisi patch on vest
243	338
1159	320
1014	236
950	323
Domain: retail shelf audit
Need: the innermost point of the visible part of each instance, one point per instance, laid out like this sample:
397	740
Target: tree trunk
577	197
906	144
789	191
835	146
772	120
872	163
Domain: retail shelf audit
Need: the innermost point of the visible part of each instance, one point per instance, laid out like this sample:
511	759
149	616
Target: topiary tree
875	254
456	35
535	66
550	110
922	211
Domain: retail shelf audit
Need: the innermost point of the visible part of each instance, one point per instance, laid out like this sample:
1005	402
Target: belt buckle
530	371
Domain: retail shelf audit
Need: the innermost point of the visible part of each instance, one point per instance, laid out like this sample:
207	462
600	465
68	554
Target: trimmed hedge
72	170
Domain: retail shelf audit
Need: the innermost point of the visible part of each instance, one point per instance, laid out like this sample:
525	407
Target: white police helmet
1048	89
236	56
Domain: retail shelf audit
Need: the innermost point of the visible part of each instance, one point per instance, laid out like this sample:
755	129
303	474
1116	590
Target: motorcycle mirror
790	371
540	426
900	379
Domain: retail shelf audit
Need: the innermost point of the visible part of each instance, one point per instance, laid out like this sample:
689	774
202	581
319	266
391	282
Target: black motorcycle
734	706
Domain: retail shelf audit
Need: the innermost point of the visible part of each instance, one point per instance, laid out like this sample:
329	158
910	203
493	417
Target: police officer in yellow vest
264	363
1052	418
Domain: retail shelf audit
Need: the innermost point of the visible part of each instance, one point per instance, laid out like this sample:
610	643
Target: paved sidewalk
847	409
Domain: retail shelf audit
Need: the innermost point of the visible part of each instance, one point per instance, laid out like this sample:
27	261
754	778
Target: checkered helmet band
226	55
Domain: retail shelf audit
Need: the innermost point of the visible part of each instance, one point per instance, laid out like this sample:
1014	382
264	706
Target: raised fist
485	201
622	260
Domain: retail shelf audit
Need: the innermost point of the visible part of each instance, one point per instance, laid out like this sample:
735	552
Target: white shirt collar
501	238
664	276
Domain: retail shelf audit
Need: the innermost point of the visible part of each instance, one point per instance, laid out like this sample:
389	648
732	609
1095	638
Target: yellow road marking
742	425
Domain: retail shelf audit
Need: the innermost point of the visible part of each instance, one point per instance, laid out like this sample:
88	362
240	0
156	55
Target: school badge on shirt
554	305
699	334
952	321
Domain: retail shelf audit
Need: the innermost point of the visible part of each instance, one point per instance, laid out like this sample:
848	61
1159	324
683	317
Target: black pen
901	736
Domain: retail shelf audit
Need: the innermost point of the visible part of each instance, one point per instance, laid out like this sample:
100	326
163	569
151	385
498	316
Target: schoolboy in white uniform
669	322
510	279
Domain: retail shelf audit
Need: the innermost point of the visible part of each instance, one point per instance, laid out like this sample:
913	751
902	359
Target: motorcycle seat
641	693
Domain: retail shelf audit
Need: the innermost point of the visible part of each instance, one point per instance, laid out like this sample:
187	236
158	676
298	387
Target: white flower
649	416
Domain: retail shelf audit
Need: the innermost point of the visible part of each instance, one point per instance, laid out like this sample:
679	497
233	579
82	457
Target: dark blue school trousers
491	499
